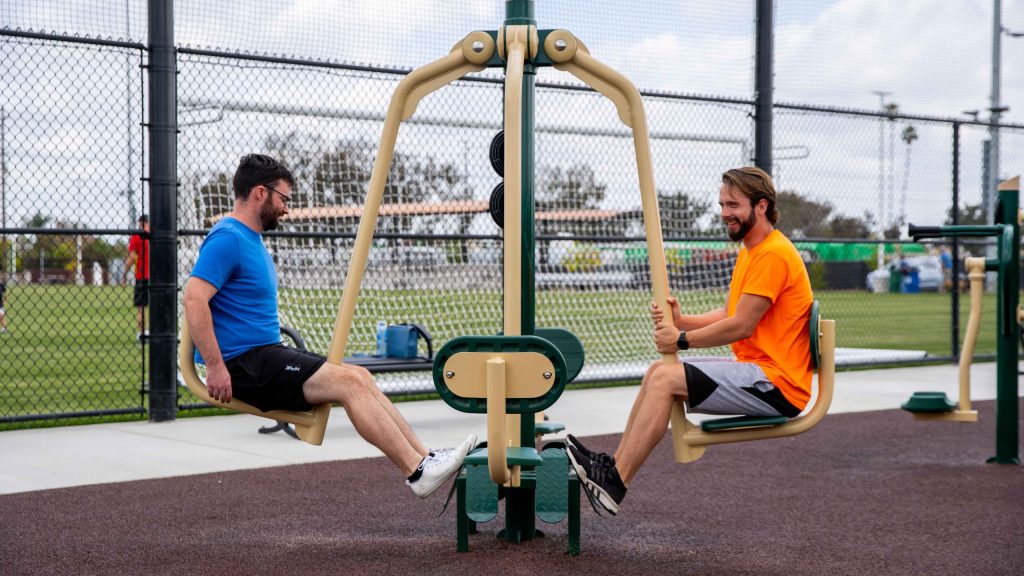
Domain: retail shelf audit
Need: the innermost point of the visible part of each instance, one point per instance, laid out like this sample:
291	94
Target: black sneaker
601	481
598	456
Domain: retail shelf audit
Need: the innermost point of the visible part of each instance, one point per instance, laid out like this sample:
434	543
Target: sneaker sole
585	451
606	500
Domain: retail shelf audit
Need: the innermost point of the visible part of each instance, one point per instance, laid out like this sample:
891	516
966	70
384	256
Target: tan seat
690	440
309	425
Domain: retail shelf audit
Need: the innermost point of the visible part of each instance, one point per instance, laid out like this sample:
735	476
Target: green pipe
1007	341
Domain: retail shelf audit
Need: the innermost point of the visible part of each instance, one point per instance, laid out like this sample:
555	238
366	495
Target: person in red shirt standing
138	255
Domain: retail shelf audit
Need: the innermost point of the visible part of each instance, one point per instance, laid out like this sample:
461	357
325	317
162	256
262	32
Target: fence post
763	88
955	271
163	163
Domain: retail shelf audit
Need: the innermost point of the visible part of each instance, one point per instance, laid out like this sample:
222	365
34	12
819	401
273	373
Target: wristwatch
683	343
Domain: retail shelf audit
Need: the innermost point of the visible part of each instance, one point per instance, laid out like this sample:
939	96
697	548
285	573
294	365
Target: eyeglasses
284	199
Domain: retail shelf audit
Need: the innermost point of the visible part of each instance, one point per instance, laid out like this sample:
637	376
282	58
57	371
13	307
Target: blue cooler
912	282
403	341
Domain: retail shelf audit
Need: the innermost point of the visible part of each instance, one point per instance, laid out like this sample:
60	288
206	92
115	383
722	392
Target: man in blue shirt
231	309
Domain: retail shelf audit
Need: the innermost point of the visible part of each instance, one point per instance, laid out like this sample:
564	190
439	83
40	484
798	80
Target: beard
744	227
269	215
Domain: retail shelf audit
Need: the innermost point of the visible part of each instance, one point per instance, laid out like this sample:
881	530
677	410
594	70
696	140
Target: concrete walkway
41	459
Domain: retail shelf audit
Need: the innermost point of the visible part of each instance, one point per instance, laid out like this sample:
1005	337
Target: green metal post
1007	412
520	503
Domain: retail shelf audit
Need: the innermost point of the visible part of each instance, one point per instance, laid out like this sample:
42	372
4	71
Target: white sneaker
435	470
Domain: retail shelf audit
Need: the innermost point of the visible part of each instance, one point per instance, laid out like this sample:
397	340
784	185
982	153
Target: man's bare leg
341	384
639	400
664	385
395	415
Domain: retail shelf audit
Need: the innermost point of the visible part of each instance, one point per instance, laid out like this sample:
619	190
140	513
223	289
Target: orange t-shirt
780	344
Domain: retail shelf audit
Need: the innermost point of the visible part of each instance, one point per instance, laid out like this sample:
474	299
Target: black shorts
141	293
271	377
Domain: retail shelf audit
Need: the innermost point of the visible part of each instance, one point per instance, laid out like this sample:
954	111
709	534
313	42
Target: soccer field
74	348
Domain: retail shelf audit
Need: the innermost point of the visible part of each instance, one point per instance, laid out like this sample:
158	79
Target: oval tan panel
527	374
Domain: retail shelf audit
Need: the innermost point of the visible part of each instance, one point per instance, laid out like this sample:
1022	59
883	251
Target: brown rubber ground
865	493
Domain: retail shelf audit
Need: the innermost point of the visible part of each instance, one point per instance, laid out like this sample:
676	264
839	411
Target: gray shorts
725	386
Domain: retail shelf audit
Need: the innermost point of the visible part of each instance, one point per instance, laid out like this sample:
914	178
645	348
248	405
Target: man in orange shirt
764	319
138	255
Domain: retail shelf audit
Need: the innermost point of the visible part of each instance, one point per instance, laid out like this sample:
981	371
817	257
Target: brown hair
258	170
755	184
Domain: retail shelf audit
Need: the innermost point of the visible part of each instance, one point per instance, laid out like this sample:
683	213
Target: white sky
933	57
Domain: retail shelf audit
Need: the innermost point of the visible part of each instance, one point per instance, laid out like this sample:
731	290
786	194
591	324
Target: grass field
73	348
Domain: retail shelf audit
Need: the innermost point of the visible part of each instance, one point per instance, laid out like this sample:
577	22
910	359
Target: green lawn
73	348
69	349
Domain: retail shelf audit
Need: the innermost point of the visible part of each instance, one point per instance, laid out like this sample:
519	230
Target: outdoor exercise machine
936	405
690	440
513	376
1006	230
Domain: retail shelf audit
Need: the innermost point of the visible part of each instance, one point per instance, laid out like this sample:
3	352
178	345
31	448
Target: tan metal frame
309	425
963	413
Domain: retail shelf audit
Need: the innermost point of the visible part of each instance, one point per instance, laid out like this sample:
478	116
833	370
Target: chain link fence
71	146
73	151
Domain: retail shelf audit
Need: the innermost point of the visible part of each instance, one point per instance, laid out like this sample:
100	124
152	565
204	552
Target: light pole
995	111
996	108
881	176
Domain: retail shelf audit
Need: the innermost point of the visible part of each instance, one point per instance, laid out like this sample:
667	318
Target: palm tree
909	135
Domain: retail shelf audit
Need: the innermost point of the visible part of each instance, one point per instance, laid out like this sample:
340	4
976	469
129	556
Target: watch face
683	343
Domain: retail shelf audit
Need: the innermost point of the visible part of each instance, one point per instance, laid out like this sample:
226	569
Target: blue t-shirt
244	309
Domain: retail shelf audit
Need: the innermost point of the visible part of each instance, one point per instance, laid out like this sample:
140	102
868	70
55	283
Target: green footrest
515	456
552	492
741	422
548	427
929	403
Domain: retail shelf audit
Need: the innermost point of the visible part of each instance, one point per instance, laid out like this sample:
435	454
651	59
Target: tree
909	135
804	218
342	174
215	198
972	214
339	175
574	190
849	227
682	215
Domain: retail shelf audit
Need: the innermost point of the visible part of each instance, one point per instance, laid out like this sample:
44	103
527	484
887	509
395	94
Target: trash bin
895	279
912	282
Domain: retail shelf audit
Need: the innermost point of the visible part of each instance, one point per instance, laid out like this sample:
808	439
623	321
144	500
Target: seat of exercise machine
514	456
717	424
741	422
541	428
388	364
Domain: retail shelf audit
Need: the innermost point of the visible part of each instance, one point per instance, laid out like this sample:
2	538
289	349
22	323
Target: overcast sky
933	57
